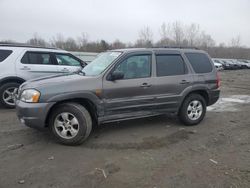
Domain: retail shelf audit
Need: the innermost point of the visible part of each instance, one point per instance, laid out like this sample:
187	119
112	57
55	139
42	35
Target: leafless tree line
184	35
173	34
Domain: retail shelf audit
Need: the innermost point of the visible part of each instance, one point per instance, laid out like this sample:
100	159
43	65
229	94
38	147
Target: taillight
218	80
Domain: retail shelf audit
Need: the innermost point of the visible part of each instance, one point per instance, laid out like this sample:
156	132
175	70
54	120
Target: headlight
30	95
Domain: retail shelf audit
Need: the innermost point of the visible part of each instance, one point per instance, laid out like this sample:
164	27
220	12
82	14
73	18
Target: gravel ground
151	152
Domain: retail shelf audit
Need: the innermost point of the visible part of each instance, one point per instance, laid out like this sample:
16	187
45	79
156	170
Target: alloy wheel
9	96
194	110
66	125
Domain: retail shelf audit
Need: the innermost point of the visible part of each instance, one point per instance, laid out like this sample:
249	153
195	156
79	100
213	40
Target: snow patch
229	104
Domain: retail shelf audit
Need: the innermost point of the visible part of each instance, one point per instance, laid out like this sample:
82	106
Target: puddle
229	104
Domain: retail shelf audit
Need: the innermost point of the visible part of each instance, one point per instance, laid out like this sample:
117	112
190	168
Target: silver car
19	63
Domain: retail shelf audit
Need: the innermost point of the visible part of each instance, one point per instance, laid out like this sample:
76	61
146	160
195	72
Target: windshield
98	65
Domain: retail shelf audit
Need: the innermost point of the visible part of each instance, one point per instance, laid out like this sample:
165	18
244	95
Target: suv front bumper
33	114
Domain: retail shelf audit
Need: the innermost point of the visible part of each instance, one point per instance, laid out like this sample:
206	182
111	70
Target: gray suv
121	85
19	63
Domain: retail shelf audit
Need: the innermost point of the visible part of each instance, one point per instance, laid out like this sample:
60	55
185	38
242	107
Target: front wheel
70	123
193	110
7	93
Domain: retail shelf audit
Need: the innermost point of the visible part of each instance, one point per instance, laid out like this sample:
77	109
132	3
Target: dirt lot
152	152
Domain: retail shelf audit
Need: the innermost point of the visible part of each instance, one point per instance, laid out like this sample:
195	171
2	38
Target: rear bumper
33	114
214	95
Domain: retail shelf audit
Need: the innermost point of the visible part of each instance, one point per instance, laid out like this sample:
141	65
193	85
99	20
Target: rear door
33	64
67	63
171	80
134	93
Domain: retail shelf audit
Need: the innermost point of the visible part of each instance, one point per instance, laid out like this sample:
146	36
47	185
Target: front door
67	63
132	95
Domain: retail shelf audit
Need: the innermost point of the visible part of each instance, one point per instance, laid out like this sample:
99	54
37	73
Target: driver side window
137	66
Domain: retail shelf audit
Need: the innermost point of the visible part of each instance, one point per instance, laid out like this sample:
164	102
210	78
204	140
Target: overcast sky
121	19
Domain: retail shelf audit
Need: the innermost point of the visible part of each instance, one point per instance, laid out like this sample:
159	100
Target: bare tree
92	47
58	41
171	34
104	45
7	41
206	40
165	31
98	46
145	38
222	45
178	32
118	44
165	34
82	41
70	44
192	34
235	42
37	40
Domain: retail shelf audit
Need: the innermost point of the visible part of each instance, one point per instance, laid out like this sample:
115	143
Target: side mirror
83	64
117	75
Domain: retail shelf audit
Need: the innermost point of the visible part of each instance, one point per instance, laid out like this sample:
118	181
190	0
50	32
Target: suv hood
54	80
58	85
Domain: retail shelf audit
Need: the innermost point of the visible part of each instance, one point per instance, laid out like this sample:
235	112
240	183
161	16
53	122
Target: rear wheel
7	94
70	123
193	110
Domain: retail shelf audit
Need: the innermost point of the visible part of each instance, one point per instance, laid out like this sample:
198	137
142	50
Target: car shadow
118	134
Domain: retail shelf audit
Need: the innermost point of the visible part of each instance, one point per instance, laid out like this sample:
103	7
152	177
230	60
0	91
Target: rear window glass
4	54
199	62
169	65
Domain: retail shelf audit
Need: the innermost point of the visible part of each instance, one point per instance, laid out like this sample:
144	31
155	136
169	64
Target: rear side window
169	65
37	58
199	62
4	54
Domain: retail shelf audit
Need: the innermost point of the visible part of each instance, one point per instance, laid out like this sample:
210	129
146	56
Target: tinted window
4	54
65	59
39	58
199	62
25	59
138	66
168	65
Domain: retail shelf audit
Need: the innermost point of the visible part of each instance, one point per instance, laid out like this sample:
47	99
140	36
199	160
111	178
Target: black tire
83	117
183	112
5	87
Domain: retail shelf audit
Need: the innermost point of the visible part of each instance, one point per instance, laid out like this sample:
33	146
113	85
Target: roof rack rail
181	47
24	45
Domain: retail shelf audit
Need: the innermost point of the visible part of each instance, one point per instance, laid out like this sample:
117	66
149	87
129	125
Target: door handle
25	68
184	82
145	85
65	70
